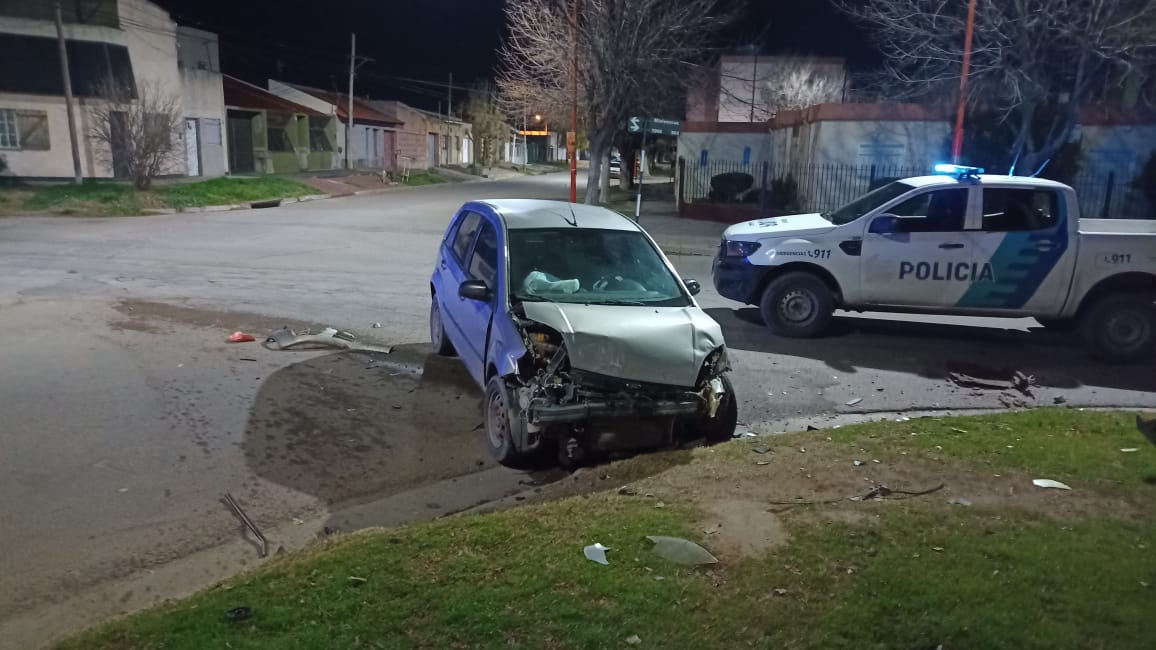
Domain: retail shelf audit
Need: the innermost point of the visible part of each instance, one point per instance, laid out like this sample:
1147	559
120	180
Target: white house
120	39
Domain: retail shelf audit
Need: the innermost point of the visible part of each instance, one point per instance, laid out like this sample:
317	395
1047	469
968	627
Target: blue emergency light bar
959	171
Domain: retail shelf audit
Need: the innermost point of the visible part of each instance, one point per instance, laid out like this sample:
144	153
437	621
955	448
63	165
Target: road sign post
648	126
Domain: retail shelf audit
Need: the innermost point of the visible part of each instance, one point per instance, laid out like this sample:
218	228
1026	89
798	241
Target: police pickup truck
958	242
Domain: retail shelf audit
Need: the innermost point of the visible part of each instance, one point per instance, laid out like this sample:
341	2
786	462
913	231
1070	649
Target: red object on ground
241	337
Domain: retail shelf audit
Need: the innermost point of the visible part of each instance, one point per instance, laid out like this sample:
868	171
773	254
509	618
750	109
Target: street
127	416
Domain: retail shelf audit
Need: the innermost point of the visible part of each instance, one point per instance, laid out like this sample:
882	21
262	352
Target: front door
1023	240
474	315
240	144
917	254
192	149
431	142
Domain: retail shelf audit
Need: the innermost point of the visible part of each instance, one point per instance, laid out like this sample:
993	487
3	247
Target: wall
203	96
410	137
149	35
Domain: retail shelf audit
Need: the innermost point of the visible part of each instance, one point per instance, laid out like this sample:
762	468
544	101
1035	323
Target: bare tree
490	128
779	83
634	58
135	126
1031	58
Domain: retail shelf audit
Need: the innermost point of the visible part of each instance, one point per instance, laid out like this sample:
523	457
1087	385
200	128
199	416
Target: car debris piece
241	337
596	552
328	338
1049	483
858	463
238	614
681	551
1129	450
761	450
959	501
236	508
633	639
968	375
855	401
357	581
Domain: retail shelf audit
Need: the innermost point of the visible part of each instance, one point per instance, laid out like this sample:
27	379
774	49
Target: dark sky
307	41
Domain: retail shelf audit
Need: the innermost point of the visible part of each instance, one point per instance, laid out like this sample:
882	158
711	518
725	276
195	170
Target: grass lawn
801	565
423	177
113	199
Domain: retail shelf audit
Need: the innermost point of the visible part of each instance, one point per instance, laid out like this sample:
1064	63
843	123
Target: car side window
484	262
465	235
1007	209
934	211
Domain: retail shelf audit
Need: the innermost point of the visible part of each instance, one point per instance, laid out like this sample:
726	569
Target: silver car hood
659	345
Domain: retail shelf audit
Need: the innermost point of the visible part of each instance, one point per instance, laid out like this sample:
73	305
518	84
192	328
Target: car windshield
867	203
590	266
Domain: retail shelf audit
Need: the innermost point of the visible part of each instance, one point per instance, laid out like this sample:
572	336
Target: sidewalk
679	236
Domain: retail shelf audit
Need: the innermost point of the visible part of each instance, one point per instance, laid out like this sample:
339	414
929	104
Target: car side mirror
885	224
475	290
692	286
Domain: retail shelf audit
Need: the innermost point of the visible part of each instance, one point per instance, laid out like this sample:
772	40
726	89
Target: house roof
241	94
362	112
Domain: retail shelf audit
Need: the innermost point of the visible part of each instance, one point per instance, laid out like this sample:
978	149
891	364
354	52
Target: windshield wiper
615	303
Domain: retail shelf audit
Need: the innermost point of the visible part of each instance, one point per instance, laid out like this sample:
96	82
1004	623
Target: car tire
1121	328
797	305
437	332
721	427
1057	324
502	423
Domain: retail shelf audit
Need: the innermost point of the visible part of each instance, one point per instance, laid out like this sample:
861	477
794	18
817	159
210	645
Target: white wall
153	52
203	96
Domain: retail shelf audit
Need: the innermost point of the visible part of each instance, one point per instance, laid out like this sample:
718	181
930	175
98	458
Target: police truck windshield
867	203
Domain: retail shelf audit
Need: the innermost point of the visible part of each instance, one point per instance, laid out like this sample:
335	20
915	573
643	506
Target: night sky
426	40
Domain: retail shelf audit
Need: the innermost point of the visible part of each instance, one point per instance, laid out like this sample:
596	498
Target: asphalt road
126	415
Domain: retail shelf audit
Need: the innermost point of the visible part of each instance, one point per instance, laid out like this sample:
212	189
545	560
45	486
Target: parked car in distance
615	166
579	330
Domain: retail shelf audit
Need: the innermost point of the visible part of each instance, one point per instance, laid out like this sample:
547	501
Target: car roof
984	179
520	214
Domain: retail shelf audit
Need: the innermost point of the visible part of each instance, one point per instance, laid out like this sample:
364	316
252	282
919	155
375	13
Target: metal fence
1102	194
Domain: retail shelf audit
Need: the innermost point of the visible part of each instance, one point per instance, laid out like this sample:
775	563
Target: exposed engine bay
583	410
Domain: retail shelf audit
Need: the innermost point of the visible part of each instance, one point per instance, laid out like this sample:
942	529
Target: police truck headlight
741	248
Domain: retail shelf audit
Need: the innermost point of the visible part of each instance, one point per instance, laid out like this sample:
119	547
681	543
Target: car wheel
1057	324
721	427
798	305
503	423
437	332
1121	328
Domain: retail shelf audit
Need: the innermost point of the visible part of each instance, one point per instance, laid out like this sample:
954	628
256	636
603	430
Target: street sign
653	126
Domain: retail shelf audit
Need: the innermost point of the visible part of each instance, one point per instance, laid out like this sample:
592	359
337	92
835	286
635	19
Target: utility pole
77	178
450	97
525	135
349	120
957	139
572	139
754	83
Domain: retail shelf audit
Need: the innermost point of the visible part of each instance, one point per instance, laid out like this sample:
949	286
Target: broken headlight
714	364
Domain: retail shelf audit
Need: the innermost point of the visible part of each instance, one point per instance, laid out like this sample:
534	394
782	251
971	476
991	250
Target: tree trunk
605	164
599	149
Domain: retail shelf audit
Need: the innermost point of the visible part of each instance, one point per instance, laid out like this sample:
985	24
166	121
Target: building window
318	137
32	129
8	134
277	128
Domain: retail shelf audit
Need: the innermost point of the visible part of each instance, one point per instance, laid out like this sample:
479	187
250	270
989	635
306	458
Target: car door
451	269
1021	249
916	253
474	315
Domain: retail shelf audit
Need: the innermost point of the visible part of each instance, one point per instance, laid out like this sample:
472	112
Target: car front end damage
587	409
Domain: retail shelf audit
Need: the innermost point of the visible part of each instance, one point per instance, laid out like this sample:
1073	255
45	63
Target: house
455	138
134	42
269	134
372	143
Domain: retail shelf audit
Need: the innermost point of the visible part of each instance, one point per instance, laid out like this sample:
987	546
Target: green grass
228	191
99	198
1005	576
423	177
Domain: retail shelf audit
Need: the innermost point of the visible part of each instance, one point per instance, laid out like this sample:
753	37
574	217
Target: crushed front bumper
543	412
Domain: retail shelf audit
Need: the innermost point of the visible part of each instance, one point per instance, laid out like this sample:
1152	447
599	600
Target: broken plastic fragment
1049	483
854	401
1129	450
681	551
633	639
959	501
596	552
241	337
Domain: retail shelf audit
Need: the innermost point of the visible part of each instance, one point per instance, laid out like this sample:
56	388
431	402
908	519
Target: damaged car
580	332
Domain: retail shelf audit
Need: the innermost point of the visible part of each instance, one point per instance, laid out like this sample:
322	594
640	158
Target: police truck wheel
1121	328
797	305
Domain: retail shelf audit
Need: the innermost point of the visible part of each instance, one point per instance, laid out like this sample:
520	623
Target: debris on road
1059	399
681	551
812	428
633	639
1129	450
858	463
328	338
967	375
761	450
377	326
241	337
236	508
855	401
596	552
959	501
1049	483
357	581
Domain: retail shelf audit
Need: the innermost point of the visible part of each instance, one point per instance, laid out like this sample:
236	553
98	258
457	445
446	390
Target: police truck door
917	253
